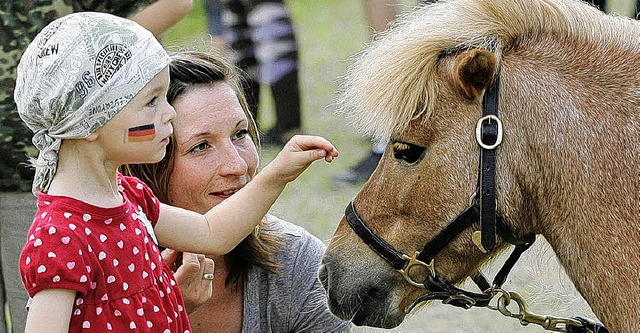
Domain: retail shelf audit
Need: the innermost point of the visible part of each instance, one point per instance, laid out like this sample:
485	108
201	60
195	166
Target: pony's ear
474	70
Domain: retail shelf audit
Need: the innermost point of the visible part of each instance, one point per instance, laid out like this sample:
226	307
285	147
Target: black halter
482	208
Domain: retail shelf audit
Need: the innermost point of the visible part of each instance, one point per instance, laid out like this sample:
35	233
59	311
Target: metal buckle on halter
464	299
488	118
413	261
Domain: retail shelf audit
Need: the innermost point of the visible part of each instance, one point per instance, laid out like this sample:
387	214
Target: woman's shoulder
281	226
300	247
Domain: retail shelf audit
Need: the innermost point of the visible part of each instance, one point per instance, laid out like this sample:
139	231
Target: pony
563	80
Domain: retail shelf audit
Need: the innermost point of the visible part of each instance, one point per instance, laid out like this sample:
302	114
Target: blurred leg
379	14
277	54
16	213
215	27
3	321
237	35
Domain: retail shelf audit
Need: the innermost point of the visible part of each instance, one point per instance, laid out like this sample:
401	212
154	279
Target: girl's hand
298	154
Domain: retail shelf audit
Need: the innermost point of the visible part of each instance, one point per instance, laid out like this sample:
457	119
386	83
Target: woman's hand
194	274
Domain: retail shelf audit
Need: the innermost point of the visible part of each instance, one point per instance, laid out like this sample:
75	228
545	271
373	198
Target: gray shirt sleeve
294	300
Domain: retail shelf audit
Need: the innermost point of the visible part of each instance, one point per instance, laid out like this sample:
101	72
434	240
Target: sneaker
361	172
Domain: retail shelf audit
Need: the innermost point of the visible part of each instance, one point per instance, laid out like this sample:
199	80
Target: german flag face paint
142	133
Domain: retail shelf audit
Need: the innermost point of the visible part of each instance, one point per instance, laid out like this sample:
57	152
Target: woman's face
214	155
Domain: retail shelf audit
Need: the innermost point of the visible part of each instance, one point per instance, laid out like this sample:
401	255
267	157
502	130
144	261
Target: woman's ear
474	70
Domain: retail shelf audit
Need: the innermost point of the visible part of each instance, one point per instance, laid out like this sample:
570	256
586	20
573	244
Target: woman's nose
232	162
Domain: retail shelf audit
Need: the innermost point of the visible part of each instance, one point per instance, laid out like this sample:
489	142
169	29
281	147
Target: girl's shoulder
140	195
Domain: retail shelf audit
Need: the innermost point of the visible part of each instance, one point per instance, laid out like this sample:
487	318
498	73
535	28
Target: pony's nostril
376	294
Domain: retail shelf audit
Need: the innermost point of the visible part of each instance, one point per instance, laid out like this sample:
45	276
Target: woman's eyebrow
192	137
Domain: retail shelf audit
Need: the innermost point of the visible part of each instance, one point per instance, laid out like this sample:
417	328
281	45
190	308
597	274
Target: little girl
92	87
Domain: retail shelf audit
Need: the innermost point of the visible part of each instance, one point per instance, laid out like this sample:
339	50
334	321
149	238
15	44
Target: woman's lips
225	194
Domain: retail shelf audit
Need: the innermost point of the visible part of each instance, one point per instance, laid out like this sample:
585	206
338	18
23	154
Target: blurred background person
21	21
269	282
259	38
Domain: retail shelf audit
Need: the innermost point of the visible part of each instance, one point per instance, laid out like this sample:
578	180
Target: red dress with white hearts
110	257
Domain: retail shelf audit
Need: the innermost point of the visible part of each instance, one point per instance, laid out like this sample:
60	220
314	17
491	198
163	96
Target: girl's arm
50	311
219	230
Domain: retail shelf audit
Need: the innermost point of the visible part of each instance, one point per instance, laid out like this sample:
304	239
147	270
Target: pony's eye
407	152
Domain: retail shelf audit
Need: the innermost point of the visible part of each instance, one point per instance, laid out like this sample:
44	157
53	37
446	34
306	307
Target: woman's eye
199	147
242	134
407	152
152	102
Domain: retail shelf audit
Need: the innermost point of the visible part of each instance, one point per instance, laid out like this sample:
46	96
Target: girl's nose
169	112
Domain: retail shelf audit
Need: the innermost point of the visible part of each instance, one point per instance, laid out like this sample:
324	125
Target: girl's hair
187	70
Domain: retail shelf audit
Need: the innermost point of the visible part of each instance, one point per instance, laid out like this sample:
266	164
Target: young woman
269	282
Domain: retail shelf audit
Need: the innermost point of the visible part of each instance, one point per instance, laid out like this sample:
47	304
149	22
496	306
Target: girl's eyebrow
154	90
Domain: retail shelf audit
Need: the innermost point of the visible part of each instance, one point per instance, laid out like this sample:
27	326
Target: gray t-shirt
294	300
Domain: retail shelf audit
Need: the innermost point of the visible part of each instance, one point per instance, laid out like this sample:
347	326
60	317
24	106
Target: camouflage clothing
20	21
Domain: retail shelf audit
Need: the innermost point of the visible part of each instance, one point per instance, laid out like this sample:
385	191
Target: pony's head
420	87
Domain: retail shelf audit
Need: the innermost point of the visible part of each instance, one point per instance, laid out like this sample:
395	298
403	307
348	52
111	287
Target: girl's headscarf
79	72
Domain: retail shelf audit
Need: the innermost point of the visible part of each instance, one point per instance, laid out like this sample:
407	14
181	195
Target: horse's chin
363	302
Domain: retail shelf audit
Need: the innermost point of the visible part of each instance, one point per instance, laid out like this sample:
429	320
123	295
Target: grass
329	32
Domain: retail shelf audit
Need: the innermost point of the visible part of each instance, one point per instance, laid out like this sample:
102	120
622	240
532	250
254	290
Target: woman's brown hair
189	69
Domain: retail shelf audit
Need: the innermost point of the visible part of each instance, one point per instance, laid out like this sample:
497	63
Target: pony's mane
393	80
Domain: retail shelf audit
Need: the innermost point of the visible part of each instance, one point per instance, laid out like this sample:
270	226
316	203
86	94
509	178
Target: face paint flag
142	133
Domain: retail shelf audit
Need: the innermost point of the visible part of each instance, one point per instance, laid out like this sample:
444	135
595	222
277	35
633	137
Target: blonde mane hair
393	80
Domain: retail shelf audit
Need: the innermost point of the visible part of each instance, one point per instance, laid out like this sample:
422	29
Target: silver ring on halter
488	118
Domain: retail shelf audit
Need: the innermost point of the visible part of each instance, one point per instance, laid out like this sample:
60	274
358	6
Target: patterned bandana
79	72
